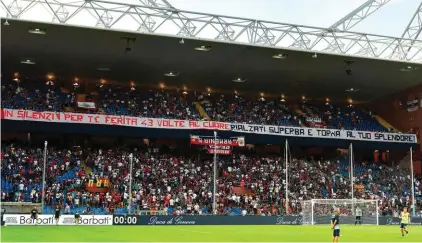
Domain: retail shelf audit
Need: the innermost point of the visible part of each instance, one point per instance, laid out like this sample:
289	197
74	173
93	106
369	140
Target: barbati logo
92	220
88	220
178	220
29	220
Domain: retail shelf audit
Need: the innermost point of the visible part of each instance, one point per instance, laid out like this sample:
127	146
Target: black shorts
336	233
358	217
403	226
34	216
56	216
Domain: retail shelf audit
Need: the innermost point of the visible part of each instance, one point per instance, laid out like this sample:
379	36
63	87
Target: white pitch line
213	242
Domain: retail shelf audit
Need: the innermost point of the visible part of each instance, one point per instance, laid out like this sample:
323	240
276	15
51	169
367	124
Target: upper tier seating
176	105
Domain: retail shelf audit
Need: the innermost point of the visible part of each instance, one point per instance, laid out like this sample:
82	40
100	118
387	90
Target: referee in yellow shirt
405	220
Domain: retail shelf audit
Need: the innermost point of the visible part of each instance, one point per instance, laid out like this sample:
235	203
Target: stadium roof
70	51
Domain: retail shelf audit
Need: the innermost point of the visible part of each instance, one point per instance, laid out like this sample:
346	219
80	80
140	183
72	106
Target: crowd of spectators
22	168
234	108
181	105
34	97
335	117
180	183
156	104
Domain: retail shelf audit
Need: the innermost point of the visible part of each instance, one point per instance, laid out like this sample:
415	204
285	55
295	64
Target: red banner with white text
67	117
233	142
144	122
220	150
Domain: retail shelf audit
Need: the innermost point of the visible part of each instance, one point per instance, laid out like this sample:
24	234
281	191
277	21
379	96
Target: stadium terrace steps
87	169
101	111
202	111
70	174
384	123
300	113
69	109
64	90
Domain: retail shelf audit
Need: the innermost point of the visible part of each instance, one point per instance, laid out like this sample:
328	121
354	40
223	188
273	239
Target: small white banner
314	119
86	105
412	105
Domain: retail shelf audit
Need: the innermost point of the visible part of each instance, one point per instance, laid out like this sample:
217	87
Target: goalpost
319	211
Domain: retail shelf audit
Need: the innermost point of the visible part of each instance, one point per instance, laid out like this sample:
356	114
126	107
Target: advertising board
242	220
48	219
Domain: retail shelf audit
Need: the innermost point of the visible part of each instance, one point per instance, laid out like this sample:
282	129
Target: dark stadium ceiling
93	54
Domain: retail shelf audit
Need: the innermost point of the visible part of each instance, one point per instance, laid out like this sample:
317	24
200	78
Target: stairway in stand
300	113
384	123
202	111
68	109
405	162
87	169
101	111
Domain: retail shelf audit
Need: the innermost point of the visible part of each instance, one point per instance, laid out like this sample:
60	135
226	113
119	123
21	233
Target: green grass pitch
206	234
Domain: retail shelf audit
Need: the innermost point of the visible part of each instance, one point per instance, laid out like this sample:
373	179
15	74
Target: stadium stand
180	184
248	183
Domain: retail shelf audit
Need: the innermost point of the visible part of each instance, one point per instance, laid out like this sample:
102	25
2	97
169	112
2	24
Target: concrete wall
403	120
389	109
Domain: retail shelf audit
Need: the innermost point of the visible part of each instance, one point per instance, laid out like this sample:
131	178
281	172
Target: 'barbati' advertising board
48	219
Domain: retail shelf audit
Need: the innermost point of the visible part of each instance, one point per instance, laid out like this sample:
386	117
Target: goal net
319	211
